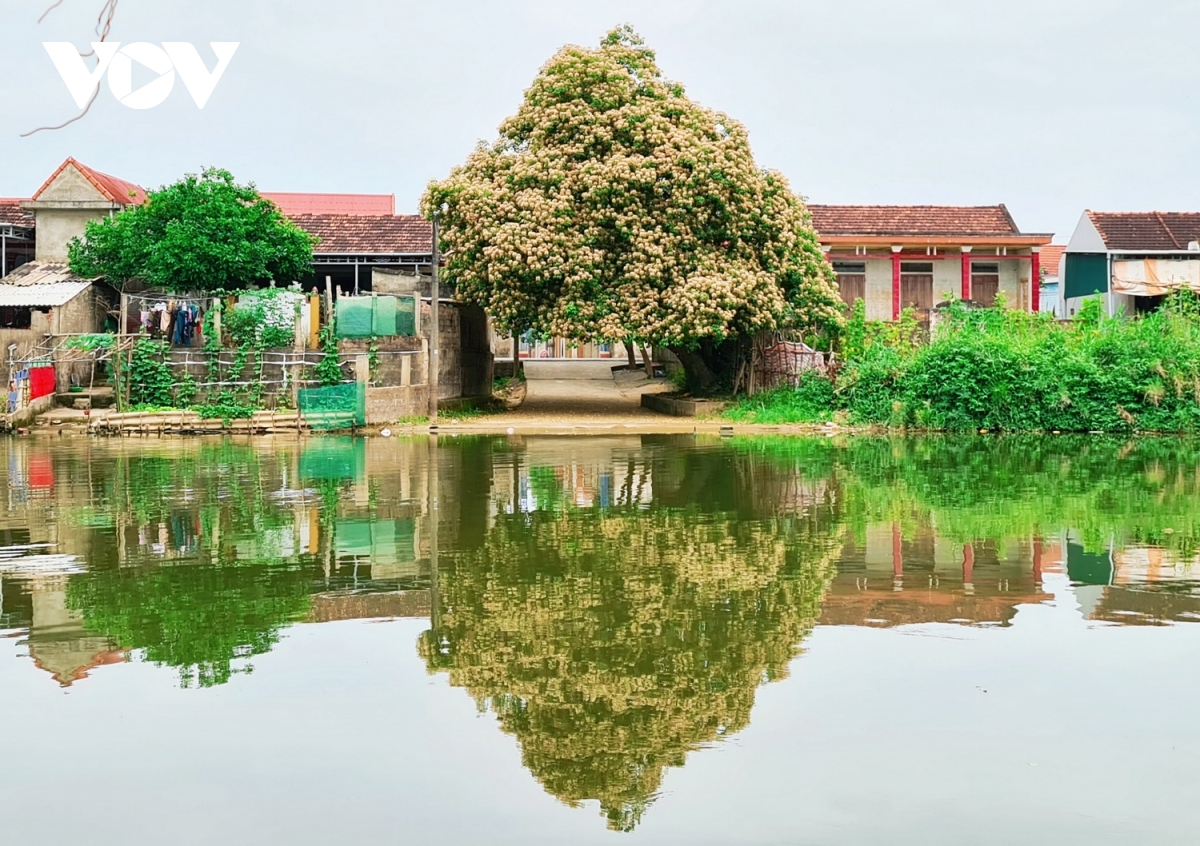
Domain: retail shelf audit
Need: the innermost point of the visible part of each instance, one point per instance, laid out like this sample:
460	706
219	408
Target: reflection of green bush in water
197	617
611	643
1018	486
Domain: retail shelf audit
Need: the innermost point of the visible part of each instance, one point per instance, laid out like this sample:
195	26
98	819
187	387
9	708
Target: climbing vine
329	370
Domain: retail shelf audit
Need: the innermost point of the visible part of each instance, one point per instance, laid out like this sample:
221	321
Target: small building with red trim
898	257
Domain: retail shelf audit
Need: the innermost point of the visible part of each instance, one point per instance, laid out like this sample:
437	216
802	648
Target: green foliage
90	343
1000	369
149	374
329	371
203	233
811	401
226	406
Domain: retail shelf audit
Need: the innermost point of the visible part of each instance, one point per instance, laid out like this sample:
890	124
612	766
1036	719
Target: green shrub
811	401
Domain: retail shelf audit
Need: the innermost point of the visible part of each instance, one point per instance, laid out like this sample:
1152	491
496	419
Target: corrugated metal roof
41	273
45	284
50	295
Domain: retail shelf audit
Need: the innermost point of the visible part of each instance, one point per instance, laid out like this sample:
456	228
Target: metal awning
49	295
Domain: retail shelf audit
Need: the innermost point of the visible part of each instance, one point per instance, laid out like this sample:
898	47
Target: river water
600	640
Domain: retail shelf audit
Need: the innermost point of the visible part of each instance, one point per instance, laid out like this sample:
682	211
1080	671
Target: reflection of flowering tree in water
612	643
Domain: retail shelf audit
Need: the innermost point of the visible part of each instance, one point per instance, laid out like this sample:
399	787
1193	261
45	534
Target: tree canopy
203	233
611	207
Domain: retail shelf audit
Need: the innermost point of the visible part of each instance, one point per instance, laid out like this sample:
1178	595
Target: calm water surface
611	640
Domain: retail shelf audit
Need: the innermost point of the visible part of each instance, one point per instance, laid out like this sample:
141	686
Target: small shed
42	301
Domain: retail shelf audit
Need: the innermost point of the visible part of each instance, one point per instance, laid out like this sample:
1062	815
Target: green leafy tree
612	207
203	233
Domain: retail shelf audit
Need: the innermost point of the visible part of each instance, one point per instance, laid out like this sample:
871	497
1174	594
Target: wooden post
119	387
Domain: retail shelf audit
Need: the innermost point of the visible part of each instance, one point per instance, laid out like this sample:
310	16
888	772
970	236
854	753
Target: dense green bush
811	401
1007	370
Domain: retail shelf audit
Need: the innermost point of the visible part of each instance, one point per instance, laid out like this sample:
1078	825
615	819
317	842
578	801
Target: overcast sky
1050	106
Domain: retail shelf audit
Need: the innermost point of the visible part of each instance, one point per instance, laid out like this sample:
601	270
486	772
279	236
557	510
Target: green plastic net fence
334	406
381	317
406	316
355	317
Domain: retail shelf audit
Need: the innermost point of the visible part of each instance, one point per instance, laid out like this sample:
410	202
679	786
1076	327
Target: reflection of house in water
1137	585
887	580
35	588
572	473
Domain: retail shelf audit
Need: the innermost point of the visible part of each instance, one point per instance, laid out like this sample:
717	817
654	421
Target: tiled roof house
897	257
1133	259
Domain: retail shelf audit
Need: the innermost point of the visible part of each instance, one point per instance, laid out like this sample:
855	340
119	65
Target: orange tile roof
913	220
1051	257
113	189
1147	230
406	234
291	203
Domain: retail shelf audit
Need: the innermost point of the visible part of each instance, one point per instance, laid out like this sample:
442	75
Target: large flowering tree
613	207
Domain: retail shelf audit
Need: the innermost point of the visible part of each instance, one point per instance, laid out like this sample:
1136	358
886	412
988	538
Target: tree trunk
647	361
630	351
700	378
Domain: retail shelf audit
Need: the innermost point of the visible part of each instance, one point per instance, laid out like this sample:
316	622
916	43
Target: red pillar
897	551
895	284
1037	560
968	564
966	274
1035	281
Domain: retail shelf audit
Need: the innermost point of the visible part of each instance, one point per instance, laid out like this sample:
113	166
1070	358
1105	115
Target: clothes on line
177	322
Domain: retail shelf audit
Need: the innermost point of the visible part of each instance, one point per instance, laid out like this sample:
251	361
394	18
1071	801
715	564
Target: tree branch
103	28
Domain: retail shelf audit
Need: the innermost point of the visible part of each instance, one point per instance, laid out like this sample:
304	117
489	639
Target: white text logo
165	61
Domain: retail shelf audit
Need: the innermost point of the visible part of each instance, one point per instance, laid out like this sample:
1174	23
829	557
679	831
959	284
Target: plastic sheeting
1154	277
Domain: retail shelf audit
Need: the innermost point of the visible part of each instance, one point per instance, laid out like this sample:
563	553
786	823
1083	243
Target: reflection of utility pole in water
433	531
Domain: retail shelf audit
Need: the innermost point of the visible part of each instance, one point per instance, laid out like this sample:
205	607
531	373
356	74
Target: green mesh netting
406	316
381	317
355	317
334	406
383	322
334	458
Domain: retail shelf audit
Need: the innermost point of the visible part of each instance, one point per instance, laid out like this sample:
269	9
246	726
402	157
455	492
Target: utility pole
434	359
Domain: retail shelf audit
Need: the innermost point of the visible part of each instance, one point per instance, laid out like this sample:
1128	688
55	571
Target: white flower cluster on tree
613	207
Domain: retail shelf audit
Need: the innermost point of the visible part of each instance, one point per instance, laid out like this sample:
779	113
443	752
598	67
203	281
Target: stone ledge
682	406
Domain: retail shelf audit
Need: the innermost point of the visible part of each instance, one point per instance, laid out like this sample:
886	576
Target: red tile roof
913	220
1147	230
12	214
407	234
113	189
1051	256
291	203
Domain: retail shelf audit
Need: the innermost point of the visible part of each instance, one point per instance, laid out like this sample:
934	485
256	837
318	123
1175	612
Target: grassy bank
1006	370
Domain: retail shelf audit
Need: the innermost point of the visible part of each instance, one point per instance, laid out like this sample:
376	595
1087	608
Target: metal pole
3	256
434	360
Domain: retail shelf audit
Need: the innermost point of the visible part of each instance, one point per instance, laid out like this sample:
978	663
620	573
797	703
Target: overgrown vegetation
999	369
